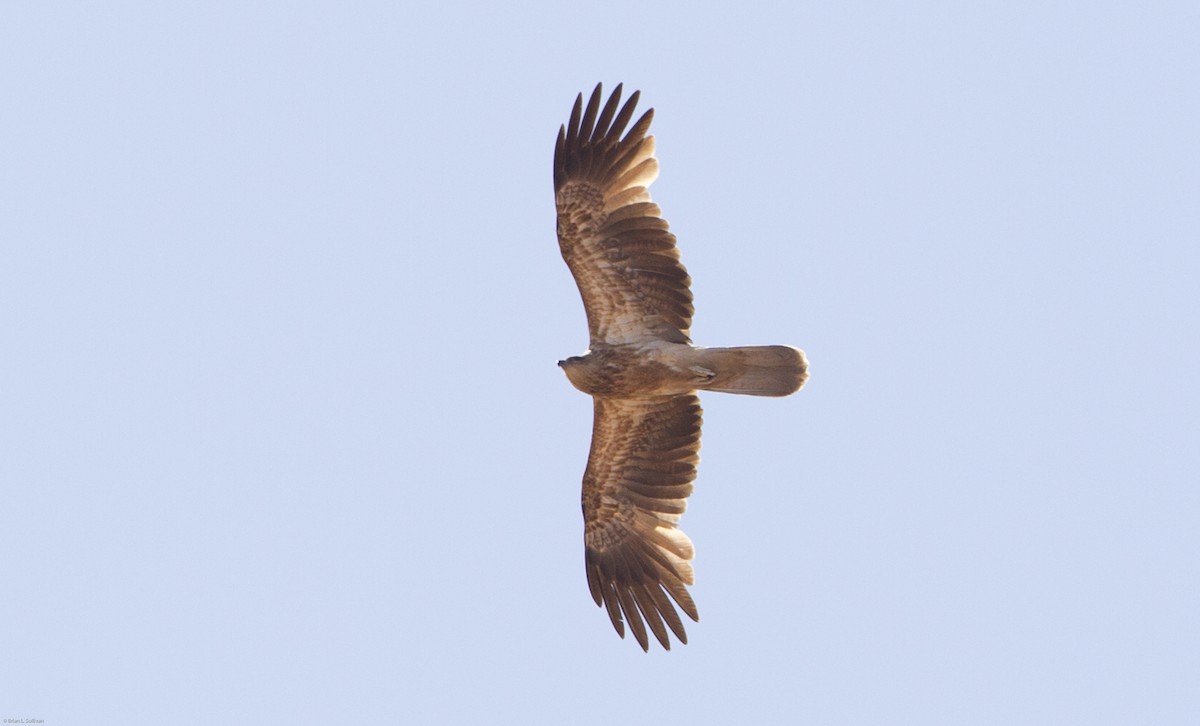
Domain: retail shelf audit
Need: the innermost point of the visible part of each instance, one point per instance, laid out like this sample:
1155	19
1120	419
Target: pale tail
759	370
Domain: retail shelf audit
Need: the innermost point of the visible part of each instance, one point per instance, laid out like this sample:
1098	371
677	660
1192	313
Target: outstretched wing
611	235
639	474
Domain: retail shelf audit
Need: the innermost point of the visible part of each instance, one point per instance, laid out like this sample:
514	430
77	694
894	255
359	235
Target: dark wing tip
594	137
589	116
560	168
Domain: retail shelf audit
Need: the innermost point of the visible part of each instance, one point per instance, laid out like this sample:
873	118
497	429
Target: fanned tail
758	370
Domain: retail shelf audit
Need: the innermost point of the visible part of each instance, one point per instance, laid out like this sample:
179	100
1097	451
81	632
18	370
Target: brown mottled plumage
641	369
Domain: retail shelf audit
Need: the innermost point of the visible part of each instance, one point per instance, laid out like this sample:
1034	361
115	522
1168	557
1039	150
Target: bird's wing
639	474
611	235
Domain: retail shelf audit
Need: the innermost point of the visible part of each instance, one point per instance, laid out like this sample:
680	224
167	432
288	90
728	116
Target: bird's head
576	369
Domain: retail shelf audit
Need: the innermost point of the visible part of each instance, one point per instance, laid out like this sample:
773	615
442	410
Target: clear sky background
282	438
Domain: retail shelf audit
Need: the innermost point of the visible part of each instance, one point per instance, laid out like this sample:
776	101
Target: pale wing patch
633	195
639	176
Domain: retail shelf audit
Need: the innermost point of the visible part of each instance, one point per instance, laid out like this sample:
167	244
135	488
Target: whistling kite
641	369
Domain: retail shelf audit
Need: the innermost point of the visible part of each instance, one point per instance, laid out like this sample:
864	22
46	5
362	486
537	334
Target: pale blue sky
282	438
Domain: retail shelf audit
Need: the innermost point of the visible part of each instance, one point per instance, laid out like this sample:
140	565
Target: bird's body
656	368
641	369
662	368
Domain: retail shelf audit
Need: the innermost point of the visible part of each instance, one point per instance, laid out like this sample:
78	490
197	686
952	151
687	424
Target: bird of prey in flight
641	369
